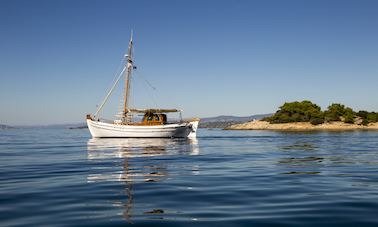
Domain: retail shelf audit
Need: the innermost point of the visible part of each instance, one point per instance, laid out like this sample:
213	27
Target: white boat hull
100	129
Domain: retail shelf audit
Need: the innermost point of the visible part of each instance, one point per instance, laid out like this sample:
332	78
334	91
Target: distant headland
306	115
3	127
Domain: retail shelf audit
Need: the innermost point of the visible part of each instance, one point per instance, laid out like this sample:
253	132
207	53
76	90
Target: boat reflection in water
134	161
139	147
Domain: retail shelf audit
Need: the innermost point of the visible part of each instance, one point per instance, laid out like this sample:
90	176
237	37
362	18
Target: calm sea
61	177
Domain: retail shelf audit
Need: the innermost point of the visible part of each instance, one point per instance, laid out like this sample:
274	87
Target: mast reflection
138	164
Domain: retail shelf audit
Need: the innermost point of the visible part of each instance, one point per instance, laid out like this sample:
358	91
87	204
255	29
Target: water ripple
232	178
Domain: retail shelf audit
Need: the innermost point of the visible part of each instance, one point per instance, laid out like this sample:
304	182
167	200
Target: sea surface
62	177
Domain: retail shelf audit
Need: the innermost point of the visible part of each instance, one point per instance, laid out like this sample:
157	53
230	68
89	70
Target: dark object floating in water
149	180
300	172
155	211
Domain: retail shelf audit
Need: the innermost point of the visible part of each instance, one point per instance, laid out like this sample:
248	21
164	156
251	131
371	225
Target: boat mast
129	67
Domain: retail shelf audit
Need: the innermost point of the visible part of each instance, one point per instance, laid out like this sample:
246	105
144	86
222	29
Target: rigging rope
110	92
147	90
115	75
145	80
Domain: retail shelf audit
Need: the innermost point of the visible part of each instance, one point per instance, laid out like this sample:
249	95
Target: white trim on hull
100	129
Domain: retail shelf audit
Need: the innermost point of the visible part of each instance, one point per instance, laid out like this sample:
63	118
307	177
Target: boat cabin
151	118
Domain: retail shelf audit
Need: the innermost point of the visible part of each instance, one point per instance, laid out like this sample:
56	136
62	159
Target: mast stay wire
136	72
146	88
110	92
147	82
113	81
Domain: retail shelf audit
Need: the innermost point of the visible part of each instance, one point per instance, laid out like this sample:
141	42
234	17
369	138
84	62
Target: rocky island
305	116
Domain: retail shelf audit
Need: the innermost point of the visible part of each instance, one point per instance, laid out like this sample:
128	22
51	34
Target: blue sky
58	58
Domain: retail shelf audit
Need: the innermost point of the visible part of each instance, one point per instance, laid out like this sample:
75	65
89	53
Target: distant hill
2	127
77	126
224	121
54	126
223	118
68	126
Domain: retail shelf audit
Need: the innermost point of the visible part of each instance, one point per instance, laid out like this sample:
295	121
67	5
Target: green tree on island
338	112
367	117
306	111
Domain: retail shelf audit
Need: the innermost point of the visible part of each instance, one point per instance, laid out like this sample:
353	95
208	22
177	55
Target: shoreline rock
301	126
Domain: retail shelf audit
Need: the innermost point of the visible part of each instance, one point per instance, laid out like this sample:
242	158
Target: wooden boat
154	123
